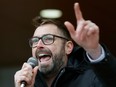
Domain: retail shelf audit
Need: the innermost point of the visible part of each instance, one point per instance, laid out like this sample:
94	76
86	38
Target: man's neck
49	79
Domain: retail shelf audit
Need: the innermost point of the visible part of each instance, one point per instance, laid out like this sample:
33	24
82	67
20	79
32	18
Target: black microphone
33	62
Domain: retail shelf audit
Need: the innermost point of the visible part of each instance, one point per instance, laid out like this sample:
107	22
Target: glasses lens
34	41
48	39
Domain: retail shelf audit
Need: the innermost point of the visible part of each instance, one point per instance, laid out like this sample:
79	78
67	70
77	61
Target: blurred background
16	28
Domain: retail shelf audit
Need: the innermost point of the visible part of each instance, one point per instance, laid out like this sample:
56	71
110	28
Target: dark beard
58	63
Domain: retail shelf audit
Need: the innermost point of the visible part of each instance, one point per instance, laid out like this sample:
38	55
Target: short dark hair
38	21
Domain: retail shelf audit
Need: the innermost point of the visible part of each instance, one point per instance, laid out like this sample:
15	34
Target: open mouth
44	57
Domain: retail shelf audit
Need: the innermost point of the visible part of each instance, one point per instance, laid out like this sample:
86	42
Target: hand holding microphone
26	76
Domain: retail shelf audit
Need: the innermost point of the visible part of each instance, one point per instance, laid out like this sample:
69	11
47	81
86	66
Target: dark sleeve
106	69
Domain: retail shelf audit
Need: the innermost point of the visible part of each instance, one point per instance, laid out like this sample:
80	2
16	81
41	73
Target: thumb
35	70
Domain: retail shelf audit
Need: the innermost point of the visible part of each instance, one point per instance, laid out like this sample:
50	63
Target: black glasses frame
30	41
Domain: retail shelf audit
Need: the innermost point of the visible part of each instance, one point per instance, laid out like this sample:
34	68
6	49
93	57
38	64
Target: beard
58	61
55	66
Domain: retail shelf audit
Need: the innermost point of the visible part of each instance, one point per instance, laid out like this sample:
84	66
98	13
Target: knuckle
89	21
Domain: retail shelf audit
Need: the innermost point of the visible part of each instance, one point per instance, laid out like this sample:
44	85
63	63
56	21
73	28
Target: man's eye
48	38
34	40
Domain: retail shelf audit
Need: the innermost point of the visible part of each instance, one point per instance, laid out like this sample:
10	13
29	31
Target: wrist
94	53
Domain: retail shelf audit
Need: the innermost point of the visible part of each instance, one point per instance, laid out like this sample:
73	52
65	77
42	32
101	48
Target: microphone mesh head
32	61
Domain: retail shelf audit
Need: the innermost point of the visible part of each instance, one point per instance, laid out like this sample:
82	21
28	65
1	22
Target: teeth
40	55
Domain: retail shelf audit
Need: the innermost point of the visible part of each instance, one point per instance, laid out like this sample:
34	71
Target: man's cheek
33	52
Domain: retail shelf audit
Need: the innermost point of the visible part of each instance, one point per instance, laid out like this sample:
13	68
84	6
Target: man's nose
40	43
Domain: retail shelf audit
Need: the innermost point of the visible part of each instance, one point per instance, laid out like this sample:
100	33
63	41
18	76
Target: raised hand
86	33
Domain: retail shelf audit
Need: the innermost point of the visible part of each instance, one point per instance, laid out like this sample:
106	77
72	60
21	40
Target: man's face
51	57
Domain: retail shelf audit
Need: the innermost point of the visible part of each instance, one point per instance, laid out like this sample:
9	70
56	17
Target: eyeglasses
47	39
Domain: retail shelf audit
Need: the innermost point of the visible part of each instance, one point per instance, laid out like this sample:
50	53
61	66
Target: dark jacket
79	72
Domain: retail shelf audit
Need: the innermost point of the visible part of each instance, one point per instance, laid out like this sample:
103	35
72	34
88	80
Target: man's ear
69	47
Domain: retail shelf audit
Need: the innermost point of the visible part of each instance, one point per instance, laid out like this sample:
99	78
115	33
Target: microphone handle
23	84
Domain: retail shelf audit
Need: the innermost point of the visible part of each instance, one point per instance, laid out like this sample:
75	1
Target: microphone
33	62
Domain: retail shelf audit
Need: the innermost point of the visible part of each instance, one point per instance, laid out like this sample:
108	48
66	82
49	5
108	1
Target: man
64	64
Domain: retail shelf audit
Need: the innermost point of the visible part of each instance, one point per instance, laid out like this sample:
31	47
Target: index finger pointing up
78	12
